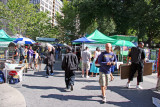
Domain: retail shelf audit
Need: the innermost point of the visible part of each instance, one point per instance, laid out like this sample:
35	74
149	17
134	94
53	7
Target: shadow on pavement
84	80
135	97
71	97
45	87
43	74
91	87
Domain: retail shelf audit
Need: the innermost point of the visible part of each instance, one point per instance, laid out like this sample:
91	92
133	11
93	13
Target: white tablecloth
11	67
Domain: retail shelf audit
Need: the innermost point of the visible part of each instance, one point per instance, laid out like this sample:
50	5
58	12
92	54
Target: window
46	10
50	2
50	7
42	8
42	2
46	5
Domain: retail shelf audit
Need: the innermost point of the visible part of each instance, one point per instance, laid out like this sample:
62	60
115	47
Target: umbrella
123	43
44	44
24	40
83	40
48	44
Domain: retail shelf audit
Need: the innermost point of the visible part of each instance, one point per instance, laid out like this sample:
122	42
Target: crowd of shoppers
71	60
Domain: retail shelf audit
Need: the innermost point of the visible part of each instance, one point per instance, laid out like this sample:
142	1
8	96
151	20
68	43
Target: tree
138	16
26	19
18	13
68	22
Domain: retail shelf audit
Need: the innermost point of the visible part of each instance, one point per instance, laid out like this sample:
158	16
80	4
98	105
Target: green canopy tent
123	43
5	39
3	34
100	37
123	37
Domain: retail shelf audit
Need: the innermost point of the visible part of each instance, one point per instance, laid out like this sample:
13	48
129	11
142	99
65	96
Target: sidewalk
50	92
11	97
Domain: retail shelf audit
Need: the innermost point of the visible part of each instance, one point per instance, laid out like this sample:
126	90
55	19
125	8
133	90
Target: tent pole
75	48
122	52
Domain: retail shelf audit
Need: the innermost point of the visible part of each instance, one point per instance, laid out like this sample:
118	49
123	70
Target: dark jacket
50	57
70	62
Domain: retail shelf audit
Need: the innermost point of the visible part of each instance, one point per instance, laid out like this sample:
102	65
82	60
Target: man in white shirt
86	59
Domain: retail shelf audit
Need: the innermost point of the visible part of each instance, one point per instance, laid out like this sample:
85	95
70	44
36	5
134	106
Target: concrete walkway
50	92
11	97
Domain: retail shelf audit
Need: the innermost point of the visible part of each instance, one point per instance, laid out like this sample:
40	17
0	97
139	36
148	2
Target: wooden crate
125	69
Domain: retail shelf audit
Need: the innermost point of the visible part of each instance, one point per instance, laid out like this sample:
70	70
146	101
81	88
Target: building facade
4	1
57	5
52	6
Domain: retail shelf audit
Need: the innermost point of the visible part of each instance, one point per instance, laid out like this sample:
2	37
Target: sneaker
139	87
52	74
47	76
82	76
68	90
71	87
104	100
87	76
128	85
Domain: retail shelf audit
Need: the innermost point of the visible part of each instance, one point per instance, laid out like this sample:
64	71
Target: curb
11	97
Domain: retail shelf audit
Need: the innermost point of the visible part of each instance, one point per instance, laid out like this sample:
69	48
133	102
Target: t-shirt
103	59
30	52
86	56
16	57
137	54
97	54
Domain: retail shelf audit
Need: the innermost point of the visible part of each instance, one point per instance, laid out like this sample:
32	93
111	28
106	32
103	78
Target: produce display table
13	69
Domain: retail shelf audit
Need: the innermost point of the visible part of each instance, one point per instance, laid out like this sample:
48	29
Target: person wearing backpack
137	55
70	65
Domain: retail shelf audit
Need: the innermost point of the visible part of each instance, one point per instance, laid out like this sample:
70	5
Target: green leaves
24	18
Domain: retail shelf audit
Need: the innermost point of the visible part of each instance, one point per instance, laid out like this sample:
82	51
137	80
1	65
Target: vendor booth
5	40
13	72
100	38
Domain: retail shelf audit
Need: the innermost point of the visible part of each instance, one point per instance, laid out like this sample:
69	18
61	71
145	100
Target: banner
92	47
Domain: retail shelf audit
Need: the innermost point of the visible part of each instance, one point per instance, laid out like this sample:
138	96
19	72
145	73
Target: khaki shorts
103	79
85	66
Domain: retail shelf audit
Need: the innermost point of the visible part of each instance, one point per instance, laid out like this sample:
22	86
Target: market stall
5	40
14	72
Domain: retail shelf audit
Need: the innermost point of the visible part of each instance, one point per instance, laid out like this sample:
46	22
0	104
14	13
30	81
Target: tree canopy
24	18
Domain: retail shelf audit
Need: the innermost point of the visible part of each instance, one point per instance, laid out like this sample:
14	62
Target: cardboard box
125	69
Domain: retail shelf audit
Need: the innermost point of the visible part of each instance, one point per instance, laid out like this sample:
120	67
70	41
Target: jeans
69	78
49	67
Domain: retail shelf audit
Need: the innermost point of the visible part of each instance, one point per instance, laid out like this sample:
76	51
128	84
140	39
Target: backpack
2	79
14	79
136	54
